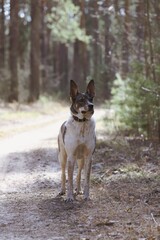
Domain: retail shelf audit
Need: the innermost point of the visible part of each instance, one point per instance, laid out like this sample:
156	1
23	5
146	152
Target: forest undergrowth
127	176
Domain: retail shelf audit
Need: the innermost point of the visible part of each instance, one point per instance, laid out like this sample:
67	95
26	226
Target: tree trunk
157	10
151	53
80	52
108	58
95	34
125	42
45	44
14	32
146	57
117	53
108	74
60	62
140	31
2	35
157	56
35	51
76	63
63	69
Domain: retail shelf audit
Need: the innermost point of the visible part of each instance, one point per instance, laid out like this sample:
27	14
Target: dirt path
125	193
28	167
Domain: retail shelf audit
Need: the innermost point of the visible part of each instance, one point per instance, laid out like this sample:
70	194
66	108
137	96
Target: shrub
136	104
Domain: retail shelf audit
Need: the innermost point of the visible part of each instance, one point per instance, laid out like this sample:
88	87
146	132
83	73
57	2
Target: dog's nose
90	106
83	112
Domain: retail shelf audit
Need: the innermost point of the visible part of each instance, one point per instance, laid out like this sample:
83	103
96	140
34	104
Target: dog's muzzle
90	106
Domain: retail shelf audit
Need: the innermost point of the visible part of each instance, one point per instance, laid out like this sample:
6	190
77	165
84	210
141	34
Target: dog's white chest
78	133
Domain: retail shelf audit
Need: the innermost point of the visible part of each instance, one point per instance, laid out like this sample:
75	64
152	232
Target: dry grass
126	189
16	118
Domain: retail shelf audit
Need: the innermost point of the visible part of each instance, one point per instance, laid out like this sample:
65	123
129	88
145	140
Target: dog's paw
86	199
86	196
78	192
69	200
61	193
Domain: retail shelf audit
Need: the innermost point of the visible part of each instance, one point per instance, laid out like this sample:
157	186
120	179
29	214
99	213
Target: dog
77	140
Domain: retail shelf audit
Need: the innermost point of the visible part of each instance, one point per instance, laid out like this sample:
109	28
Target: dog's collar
80	120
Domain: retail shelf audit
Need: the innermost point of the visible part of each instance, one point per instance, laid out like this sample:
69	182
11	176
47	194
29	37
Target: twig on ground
154	220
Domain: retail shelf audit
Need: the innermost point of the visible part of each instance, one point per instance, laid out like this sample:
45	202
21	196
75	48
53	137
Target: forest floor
125	181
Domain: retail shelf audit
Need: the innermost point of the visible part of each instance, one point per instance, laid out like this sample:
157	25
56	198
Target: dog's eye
89	98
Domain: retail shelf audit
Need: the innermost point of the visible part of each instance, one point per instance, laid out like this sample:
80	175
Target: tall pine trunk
125	43
95	35
2	35
108	73
60	66
35	51
45	44
14	32
63	68
80	52
157	10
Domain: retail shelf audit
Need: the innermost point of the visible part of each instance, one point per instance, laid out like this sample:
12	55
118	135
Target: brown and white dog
77	139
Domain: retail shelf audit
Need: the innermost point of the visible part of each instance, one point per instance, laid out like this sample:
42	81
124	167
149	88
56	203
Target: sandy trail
28	166
13	160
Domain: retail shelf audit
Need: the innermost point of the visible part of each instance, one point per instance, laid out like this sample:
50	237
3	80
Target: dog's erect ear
73	89
91	88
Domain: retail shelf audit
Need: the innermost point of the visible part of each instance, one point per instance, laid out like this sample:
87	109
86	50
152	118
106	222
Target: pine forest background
45	43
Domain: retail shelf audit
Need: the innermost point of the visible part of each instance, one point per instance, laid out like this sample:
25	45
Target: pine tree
14	33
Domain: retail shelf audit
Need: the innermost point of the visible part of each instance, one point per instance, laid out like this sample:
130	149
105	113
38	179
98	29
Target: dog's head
82	107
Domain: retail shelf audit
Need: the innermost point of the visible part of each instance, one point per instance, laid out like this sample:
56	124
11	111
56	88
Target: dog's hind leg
70	196
88	165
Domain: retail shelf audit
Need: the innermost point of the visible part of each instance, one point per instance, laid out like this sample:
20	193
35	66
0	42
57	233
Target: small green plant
135	103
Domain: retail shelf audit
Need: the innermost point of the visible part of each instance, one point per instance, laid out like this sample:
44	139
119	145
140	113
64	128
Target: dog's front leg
80	167
70	196
63	178
88	165
63	160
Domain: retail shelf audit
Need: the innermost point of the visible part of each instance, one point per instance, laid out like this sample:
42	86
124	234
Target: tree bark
108	73
151	53
80	52
14	32
140	31
157	10
125	42
95	34
63	68
61	64
45	44
35	51
2	35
